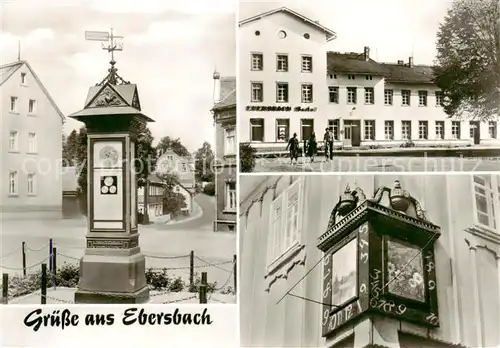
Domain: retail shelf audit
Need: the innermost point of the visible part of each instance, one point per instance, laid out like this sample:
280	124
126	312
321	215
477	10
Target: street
163	245
379	164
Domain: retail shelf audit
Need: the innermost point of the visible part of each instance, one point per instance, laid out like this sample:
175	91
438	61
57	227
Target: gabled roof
7	70
330	34
228	93
355	63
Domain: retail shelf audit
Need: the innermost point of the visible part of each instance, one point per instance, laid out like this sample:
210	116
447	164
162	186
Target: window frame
493	215
441	126
14	100
33	109
32	143
403	124
334	126
333	90
252	99
15	148
493	125
24	78
255	55
423	98
426	124
369	92
227	145
355	95
388	94
260	125
33	184
287	126
389	136
305	57
14	192
404	93
459	127
439	96
278	57
303	89
287	89
369	129
276	256
228	193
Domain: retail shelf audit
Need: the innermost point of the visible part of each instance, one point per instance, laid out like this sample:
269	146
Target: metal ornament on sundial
113	268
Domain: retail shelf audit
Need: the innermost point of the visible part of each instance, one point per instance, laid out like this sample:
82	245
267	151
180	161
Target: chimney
410	62
217	96
367	53
400	62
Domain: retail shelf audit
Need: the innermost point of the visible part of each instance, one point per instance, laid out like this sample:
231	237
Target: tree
468	59
247	158
204	160
173	201
70	148
168	143
146	154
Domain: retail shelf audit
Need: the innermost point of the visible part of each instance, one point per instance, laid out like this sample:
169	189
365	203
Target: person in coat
293	146
312	147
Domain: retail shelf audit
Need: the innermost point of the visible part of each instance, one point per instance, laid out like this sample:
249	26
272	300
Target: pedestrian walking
312	147
293	146
328	144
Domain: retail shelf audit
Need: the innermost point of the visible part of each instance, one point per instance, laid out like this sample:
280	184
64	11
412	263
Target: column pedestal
112	276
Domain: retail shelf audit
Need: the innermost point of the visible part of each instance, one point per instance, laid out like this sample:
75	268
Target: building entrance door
475	132
352	133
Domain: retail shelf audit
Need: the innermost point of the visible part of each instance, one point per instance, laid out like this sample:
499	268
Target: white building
31	127
290	84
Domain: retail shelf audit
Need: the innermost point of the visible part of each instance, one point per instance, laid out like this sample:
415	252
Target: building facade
224	113
284	220
183	166
290	84
154	189
31	127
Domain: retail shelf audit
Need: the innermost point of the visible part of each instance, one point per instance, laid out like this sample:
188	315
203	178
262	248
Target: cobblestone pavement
379	164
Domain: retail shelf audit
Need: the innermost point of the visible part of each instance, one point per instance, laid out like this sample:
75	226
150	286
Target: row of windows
257	63
14	142
282	94
14	105
307	128
14	183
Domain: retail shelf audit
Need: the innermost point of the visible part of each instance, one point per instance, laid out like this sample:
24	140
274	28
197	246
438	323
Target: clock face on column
108	156
109	185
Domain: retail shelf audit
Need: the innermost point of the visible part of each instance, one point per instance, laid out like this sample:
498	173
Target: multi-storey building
290	84
224	113
295	295
282	71
31	127
182	166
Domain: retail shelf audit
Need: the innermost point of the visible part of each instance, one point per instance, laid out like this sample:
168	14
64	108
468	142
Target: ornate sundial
108	155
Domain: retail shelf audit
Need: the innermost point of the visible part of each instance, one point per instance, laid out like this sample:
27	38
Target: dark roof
330	34
355	63
227	92
7	70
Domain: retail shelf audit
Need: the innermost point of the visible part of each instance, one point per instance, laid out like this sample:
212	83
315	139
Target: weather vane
112	45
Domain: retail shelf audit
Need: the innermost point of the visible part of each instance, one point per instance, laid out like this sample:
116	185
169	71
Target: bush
247	158
69	274
408	143
209	189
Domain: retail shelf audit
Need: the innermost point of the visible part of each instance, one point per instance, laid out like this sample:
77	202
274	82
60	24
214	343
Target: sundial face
108	155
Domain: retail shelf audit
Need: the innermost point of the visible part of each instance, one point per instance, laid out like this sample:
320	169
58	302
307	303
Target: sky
393	29
170	50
